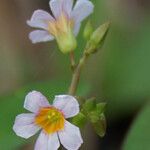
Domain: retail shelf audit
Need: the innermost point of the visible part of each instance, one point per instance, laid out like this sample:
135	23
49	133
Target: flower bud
88	30
97	38
66	42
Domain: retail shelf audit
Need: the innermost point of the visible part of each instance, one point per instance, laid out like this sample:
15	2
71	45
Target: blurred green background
119	74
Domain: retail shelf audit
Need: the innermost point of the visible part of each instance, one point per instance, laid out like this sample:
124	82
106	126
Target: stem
76	75
72	59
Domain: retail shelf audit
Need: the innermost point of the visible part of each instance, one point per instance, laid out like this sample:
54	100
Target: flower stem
72	60
76	74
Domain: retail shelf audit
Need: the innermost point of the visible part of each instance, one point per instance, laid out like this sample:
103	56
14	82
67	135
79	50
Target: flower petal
40	36
67	104
82	9
24	125
56	7
77	28
40	19
34	101
47	142
70	137
67	6
59	6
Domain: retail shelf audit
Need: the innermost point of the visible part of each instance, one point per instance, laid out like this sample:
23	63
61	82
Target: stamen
50	119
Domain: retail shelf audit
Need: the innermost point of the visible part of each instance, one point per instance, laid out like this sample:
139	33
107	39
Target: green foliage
139	134
12	105
100	126
89	105
79	120
126	82
94	112
100	107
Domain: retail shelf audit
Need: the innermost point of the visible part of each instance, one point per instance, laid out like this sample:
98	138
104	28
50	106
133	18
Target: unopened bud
97	38
88	30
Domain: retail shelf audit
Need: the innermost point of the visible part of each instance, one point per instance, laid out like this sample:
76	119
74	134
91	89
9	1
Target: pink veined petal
67	104
82	9
70	137
40	36
47	142
77	28
34	101
40	19
24	125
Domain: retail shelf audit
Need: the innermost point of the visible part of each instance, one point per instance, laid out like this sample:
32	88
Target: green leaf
95	114
100	107
79	120
138	137
89	105
126	80
100	126
12	105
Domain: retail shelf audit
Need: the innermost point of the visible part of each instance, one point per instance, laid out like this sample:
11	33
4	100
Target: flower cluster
63	25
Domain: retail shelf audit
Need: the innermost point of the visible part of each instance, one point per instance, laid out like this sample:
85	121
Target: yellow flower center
50	120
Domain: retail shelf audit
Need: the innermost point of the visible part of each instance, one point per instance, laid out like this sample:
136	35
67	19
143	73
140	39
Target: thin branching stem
76	74
72	61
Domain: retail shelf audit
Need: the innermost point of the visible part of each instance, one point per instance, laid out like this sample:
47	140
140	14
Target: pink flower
63	25
51	119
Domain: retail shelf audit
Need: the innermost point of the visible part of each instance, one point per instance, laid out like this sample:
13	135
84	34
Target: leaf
79	120
100	126
138	137
126	80
89	105
12	105
93	111
95	115
100	107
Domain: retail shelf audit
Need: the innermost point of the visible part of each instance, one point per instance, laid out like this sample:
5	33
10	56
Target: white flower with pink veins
51	120
63	25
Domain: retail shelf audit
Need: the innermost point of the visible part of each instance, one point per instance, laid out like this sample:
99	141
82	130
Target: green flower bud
97	38
88	30
66	42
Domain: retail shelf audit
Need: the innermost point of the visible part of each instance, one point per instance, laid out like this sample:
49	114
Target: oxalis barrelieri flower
63	25
51	120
